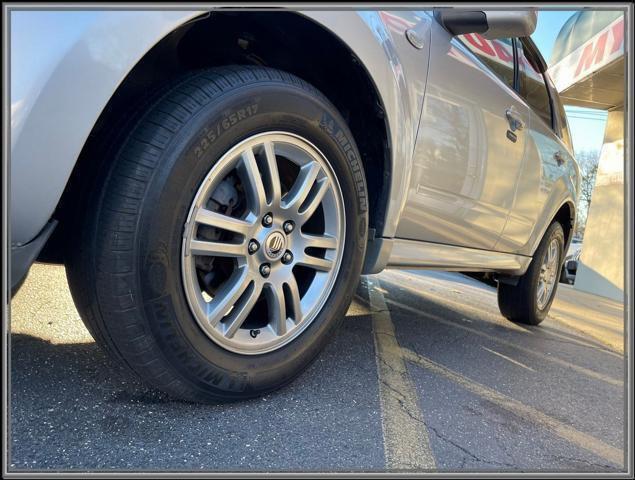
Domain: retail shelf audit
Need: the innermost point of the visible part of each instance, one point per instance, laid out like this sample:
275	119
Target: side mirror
492	24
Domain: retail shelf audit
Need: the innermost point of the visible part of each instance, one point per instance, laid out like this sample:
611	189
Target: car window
496	54
565	134
533	87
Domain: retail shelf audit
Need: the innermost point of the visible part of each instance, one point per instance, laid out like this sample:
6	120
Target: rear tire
126	268
523	302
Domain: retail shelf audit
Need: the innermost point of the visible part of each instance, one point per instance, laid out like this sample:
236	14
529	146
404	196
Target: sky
586	124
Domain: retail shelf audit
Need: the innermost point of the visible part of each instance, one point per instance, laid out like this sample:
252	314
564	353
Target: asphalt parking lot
424	375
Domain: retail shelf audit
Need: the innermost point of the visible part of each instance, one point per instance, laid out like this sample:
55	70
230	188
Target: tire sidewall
191	153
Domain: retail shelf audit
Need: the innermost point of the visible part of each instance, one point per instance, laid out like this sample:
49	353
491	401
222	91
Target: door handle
514	119
559	158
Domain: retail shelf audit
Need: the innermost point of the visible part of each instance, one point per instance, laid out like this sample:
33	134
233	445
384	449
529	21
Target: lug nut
265	270
287	257
253	246
288	226
267	220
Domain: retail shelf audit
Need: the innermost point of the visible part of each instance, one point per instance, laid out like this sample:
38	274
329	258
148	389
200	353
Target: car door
467	156
548	164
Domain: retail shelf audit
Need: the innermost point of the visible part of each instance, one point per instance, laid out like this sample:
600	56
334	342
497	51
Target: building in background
588	68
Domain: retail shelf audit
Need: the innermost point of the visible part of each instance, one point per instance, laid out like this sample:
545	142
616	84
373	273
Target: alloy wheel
548	274
263	242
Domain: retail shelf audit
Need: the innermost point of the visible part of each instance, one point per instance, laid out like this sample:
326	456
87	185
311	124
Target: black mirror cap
492	24
459	22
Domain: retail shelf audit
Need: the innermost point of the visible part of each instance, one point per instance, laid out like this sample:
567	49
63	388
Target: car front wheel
227	237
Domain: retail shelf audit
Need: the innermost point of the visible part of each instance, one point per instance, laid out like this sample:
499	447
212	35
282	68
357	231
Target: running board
437	256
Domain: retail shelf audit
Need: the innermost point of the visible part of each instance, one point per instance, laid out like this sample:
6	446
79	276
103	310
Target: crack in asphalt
399	397
465	450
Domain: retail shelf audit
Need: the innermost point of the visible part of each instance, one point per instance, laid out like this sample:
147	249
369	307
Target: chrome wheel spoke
294	199
218	220
227	296
272	174
319	241
242	308
554	260
313	201
541	292
218	249
253	182
277	308
551	255
316	263
294	293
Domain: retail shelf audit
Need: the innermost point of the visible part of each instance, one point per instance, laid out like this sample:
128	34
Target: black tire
124	271
518	302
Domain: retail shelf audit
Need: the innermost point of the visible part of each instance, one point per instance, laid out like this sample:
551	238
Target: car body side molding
437	256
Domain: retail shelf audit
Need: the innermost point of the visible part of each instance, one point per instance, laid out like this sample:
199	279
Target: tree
588	161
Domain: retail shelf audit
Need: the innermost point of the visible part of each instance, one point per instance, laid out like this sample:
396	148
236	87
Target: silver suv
215	182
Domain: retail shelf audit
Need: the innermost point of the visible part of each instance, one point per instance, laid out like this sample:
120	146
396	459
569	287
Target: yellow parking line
406	442
541	355
528	413
604	348
612	338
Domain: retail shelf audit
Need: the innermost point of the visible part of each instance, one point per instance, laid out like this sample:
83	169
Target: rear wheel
530	299
227	238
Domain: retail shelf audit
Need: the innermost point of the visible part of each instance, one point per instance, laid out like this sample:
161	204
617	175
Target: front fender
65	66
399	72
565	191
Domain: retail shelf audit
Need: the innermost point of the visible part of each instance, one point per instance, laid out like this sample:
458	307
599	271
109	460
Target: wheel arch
221	38
566	216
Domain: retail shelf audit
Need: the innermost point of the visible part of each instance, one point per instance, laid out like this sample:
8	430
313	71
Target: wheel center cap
275	245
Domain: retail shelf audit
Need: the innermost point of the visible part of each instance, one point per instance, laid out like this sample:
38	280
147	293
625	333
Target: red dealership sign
604	47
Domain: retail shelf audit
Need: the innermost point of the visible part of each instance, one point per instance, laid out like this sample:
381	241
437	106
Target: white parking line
509	359
406	442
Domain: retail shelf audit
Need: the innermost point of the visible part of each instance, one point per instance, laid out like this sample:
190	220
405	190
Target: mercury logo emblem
274	245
